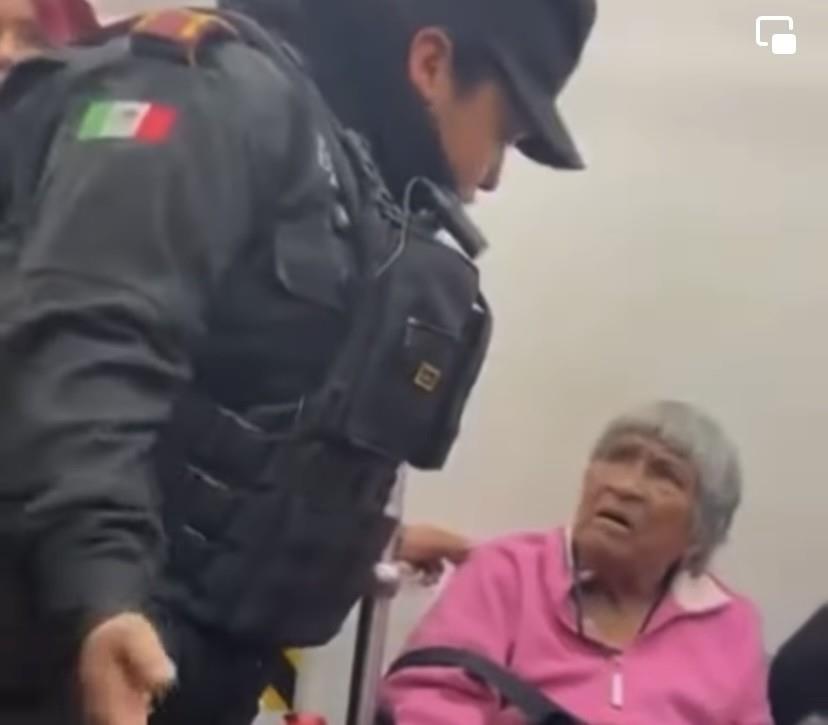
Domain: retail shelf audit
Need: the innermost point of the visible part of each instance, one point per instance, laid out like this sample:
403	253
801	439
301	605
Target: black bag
539	709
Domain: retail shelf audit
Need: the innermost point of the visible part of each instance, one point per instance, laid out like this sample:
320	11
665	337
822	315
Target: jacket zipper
617	684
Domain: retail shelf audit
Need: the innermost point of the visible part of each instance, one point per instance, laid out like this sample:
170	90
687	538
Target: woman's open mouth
615	519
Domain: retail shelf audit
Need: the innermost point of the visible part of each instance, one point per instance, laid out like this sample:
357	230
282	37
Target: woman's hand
427	548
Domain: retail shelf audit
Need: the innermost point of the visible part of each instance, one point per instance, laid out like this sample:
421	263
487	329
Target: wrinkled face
20	35
637	506
476	125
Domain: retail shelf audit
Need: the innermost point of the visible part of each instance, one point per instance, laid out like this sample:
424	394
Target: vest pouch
478	336
210	505
299	548
405	375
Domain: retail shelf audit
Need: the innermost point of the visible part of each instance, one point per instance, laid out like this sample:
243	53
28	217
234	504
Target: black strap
285	56
539	709
221	440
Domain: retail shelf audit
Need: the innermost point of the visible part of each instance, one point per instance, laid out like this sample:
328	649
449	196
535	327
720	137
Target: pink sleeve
474	613
754	707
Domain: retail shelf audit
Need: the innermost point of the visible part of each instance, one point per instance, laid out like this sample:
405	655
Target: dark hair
358	50
472	61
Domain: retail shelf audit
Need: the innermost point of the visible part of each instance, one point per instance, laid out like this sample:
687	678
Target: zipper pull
617	687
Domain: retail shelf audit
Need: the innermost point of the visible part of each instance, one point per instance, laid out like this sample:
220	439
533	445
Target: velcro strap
539	709
180	33
218	439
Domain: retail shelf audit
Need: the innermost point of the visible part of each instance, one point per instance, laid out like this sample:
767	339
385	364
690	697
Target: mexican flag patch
146	122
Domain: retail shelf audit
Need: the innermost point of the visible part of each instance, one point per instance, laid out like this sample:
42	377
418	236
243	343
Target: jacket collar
688	594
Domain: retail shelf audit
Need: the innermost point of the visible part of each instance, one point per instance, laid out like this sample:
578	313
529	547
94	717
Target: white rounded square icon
783	44
780	43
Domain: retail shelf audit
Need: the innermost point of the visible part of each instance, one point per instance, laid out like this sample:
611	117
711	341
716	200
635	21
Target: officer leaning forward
238	292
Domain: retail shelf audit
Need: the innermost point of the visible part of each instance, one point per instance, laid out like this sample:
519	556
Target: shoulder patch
181	32
149	123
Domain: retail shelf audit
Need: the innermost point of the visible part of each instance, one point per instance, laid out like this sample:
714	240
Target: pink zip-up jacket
700	660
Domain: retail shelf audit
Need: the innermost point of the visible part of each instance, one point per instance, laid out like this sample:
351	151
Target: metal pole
358	693
372	630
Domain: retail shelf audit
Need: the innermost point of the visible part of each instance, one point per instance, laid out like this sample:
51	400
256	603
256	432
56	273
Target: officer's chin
467	196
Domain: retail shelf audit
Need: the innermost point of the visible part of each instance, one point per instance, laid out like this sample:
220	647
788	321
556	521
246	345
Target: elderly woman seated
617	619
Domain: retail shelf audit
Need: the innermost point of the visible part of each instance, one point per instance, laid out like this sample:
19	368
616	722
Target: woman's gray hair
696	437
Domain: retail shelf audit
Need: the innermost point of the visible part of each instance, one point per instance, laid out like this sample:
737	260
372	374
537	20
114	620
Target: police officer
237	294
797	684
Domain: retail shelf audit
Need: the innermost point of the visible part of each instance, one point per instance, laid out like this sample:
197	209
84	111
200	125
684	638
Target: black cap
536	45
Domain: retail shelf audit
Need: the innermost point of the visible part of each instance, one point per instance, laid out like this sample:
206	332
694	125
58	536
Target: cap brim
549	141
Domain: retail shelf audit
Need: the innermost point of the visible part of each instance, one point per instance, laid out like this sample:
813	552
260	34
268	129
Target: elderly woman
617	619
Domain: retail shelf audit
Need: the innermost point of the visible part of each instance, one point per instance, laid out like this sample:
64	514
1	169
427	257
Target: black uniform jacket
186	230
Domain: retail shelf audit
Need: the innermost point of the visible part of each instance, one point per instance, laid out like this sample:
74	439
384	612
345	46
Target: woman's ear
692	560
430	61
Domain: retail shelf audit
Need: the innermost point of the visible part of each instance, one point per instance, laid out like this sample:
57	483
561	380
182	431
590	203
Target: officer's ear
430	66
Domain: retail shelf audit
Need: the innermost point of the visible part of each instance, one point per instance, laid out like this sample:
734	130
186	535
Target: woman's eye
669	473
621	454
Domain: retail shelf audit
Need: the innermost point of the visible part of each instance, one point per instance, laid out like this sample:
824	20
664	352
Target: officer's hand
122	668
428	548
